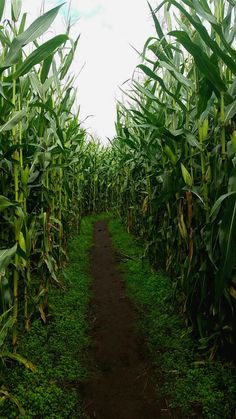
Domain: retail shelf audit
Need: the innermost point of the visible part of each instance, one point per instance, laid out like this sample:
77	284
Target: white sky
107	29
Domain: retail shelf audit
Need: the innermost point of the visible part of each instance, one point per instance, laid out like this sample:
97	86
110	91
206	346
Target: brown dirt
121	385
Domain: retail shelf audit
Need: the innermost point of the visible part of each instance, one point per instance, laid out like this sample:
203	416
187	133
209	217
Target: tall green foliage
41	162
172	164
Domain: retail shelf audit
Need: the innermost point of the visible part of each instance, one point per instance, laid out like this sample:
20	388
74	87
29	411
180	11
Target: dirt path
121	386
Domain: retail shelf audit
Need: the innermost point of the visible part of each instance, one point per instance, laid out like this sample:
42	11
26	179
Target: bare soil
121	384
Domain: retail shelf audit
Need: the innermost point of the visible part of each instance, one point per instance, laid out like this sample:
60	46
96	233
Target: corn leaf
46	68
6	395
5	258
40	54
2	6
206	38
22	24
154	76
36	29
219	201
179	76
160	33
68	60
5	203
227	240
203	62
4	39
15	119
20	359
230	111
5	328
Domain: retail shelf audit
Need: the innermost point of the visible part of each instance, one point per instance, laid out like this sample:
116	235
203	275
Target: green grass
190	383
58	348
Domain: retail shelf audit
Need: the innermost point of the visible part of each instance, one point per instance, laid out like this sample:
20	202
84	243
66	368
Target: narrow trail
121	384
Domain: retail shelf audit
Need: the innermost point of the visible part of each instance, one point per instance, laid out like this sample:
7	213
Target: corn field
171	169
42	166
169	173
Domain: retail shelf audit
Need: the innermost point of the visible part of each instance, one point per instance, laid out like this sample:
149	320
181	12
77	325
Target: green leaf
203	62
154	76
146	92
15	119
5	258
160	33
46	68
23	22
49	261
4	314
13	399
227	240
36	84
4	39
195	192
5	328
192	140
232	181
205	93
69	60
230	111
179	76
5	203
219	201
36	29
206	14
2	6
3	94
206	38
130	143
40	54
20	359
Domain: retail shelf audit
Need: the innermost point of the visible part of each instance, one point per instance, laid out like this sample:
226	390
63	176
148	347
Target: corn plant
41	158
173	160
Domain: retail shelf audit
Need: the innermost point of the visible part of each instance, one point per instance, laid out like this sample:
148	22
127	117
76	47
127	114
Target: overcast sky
108	28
